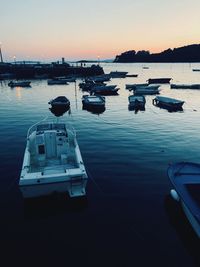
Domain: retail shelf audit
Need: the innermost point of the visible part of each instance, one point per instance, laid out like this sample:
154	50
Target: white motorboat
52	162
185	179
170	103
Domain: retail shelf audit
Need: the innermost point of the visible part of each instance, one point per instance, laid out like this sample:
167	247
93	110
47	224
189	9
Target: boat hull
185	179
38	188
173	105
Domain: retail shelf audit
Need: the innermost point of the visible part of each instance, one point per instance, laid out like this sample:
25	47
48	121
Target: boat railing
35	126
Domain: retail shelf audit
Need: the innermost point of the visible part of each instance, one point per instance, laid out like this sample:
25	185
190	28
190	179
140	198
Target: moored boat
52	162
104	90
118	74
19	83
93	101
185	86
56	81
133	86
136	102
147	90
60	101
185	180
159	80
170	103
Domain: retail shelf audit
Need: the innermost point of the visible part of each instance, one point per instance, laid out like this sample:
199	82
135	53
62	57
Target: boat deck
53	165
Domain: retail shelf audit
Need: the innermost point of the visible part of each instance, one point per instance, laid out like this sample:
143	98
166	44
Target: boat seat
63	159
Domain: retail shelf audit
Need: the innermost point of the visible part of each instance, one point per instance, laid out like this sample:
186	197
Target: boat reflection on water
95	110
136	109
183	229
59	111
169	109
57	204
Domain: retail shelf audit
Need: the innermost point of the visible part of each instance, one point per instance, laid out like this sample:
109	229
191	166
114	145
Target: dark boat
185	86
93	101
60	101
19	83
118	74
169	103
159	80
104	90
136	102
185	180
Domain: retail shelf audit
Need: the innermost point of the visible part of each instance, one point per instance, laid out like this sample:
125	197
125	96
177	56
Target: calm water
128	218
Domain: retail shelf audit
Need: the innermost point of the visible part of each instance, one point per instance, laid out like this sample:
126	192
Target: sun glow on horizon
45	30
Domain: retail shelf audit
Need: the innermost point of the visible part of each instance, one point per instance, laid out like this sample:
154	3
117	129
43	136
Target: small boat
159	80
195	69
60	101
136	102
93	101
185	86
56	81
170	103
52	162
185	180
66	79
104	90
132	75
133	86
147	90
19	83
145	68
118	74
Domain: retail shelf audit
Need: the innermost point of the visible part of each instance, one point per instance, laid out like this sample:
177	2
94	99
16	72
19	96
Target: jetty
33	70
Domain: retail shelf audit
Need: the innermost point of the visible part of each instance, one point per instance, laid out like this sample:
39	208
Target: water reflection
56	204
136	109
59	111
94	110
183	228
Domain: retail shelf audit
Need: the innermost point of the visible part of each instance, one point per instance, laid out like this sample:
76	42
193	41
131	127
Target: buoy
174	195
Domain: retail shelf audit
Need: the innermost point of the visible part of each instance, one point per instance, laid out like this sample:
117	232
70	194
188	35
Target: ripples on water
127	214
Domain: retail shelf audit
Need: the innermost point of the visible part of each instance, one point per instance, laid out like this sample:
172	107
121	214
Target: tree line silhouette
190	53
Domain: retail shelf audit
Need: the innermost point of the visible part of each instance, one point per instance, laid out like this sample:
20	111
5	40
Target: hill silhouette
190	53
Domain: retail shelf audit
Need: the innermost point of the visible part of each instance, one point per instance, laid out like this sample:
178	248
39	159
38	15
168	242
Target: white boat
136	102
19	83
168	102
52	162
185	179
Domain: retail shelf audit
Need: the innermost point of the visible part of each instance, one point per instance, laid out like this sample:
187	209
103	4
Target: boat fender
174	195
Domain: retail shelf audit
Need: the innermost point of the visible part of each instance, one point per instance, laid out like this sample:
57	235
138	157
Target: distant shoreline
185	54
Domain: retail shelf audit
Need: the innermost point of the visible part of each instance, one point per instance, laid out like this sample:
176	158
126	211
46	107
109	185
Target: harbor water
127	218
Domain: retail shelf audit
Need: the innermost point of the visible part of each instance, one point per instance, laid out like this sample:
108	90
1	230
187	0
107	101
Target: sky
94	29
